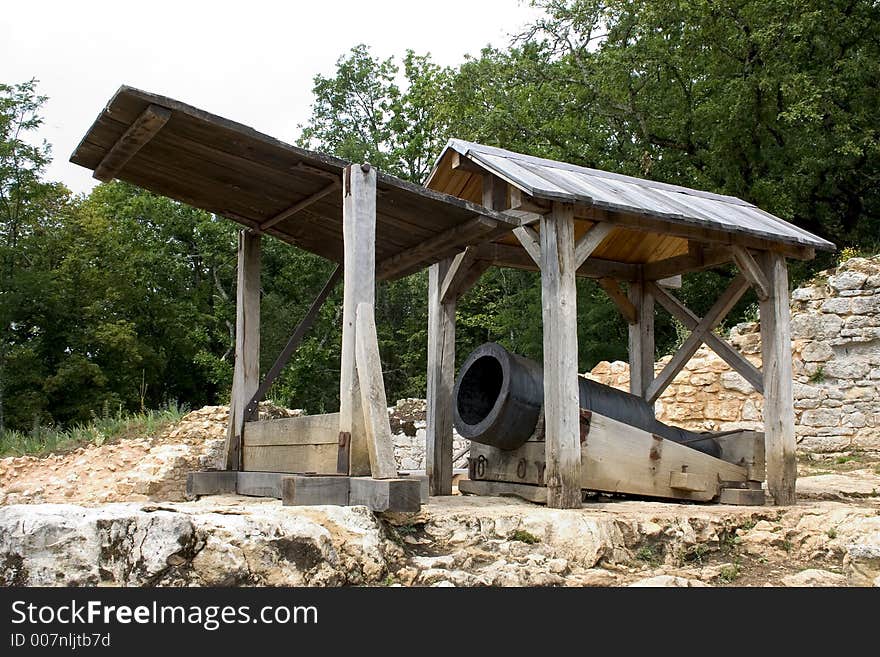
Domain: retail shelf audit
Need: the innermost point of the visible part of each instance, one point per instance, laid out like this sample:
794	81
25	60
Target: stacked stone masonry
835	326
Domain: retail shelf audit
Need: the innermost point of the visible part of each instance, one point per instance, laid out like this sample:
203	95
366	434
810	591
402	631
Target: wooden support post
246	372
380	444
779	434
561	395
590	241
750	269
641	340
441	379
359	267
612	289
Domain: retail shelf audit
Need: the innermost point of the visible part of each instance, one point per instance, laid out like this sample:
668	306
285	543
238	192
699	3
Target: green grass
524	537
102	429
818	376
650	554
729	574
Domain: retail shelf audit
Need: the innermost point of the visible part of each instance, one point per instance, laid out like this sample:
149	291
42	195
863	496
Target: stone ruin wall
835	326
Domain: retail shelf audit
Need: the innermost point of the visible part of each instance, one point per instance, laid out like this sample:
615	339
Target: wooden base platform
404	493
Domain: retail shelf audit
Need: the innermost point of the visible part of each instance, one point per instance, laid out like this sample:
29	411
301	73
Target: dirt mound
139	469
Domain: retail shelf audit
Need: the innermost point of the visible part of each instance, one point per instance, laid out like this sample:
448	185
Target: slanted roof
227	168
645	205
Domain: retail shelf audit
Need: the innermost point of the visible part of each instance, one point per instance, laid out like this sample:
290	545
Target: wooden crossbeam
590	241
299	205
530	241
716	314
141	131
475	230
750	269
721	347
508	255
696	259
618	296
463	272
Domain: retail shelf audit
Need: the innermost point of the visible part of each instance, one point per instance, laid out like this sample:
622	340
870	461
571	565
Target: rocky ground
115	515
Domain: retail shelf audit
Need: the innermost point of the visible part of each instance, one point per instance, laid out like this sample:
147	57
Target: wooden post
359	271
561	397
779	437
246	372
641	340
441	380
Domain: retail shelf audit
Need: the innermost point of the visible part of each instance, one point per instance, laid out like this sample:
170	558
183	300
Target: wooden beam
526	206
246	371
530	241
464	270
618	296
380	444
716	314
296	207
561	394
750	269
673	282
141	131
776	353
698	258
641	339
476	230
359	234
463	163
721	347
590	241
293	343
441	379
508	255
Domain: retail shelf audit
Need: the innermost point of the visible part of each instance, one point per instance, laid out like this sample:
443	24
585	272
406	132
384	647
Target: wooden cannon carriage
481	207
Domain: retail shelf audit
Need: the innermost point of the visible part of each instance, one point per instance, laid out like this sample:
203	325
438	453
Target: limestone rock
668	581
814	577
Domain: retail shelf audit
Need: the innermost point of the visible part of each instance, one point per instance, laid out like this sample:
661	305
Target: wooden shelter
481	207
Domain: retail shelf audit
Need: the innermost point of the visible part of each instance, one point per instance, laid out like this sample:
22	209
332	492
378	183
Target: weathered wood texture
615	458
752	271
776	353
260	484
142	130
246	371
713	318
380	444
641	339
721	347
222	482
618	296
296	444
746	449
561	395
308	491
441	379
590	241
359	230
381	495
299	205
536	494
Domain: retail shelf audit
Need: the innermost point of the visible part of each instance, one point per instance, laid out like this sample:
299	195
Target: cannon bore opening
479	389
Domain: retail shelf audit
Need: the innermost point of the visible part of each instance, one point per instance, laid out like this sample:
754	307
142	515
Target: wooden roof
654	222
227	168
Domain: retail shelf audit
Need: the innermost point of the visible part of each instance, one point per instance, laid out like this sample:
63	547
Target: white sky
251	61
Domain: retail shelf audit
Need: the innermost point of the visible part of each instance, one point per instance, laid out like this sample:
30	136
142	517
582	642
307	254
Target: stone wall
835	328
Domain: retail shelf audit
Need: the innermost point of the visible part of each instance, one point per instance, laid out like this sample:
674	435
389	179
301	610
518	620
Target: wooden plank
508	255
220	482
590	241
690	481
359	234
461	162
750	269
142	130
260	484
561	394
615	458
246	371
530	241
380	444
697	258
746	449
304	430
310	491
292	344
476	230
776	354
742	497
382	495
319	458
673	282
641	339
536	494
685	352
618	296
296	207
721	347
441	379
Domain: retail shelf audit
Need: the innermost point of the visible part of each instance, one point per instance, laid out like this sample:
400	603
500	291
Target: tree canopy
124	299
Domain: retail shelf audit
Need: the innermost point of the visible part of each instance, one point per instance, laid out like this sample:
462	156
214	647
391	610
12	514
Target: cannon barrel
499	395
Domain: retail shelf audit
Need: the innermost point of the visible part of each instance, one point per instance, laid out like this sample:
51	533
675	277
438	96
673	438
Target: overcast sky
250	61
